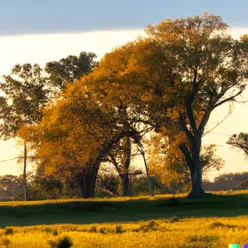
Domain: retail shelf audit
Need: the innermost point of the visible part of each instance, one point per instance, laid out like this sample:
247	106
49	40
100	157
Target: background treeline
108	185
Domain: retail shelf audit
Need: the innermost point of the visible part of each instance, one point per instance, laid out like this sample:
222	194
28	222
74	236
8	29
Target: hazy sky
42	32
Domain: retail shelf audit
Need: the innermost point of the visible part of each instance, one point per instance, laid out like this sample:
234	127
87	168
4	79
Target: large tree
176	77
205	68
76	135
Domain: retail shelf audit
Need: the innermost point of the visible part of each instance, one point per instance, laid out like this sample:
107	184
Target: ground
215	221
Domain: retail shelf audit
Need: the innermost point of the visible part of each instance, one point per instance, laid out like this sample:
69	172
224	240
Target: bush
217	224
119	229
9	231
93	229
64	242
151	226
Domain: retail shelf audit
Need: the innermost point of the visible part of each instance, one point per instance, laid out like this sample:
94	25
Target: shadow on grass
131	210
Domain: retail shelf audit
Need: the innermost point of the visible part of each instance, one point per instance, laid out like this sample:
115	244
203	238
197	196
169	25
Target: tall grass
184	233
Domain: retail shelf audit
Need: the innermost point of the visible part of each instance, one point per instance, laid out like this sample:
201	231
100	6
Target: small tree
25	96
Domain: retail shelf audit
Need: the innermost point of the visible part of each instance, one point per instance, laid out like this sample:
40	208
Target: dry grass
170	233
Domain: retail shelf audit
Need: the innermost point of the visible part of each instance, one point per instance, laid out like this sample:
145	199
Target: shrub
64	242
119	229
102	230
217	224
9	231
151	226
93	229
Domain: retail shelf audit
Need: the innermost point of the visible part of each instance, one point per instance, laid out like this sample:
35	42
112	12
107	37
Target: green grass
121	209
161	221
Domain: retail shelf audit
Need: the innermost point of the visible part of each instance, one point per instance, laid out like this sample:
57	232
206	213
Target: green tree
25	96
70	69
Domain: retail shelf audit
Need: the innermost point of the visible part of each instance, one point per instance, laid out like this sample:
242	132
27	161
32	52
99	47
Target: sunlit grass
165	196
185	233
17	203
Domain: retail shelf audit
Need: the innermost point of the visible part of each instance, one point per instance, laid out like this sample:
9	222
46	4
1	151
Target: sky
42	31
59	16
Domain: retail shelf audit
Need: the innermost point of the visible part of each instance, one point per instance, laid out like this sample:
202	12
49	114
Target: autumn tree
86	111
205	68
176	77
76	134
25	95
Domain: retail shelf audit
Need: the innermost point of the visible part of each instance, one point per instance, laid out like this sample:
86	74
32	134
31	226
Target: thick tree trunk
87	181
196	183
193	161
87	178
196	172
126	184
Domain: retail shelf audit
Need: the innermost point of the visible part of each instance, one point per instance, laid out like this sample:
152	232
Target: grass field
215	221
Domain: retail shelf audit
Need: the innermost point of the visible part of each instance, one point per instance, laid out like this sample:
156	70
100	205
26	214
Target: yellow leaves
147	97
173	113
24	131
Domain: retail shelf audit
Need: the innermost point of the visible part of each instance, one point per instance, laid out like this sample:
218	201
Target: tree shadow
89	212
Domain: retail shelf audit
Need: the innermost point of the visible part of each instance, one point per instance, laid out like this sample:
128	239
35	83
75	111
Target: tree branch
184	127
231	98
187	155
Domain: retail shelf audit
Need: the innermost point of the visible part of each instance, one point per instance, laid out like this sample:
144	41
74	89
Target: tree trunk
25	187
196	172
196	184
125	184
151	192
87	180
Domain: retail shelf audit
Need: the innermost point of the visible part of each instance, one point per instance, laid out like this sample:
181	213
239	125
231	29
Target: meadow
162	221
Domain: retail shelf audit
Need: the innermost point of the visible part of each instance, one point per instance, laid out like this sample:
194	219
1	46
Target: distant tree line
228	181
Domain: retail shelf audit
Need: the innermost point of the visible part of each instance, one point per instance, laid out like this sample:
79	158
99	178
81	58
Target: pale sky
48	47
